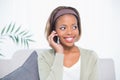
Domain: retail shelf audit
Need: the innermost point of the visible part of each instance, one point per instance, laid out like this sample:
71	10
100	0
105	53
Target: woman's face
67	29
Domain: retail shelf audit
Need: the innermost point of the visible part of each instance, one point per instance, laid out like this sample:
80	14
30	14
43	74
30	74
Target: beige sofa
106	66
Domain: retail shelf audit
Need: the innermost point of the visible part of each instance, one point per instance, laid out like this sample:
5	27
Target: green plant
17	35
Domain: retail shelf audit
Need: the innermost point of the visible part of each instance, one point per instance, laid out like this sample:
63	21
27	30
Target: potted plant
17	35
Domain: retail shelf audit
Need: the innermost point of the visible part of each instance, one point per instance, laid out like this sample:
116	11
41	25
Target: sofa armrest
106	69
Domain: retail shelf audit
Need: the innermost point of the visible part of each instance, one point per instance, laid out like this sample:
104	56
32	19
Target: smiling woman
66	61
67	29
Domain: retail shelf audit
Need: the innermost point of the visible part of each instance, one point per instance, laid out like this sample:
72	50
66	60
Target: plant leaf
17	39
22	41
27	43
8	28
2	32
12	28
13	38
28	36
30	40
25	33
21	33
1	54
17	29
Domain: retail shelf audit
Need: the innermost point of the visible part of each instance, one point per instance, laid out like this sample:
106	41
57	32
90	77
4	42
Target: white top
72	73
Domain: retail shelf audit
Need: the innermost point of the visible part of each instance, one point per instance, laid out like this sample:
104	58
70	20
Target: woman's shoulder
45	52
88	52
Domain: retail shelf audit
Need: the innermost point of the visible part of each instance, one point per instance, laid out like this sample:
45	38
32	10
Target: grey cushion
28	71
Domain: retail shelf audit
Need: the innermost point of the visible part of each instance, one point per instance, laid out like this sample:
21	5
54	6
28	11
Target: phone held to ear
56	39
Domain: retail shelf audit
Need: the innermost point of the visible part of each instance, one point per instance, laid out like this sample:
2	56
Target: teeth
69	39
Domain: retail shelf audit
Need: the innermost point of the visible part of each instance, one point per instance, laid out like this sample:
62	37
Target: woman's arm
94	67
50	72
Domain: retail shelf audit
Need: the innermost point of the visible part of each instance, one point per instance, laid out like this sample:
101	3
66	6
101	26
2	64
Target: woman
66	61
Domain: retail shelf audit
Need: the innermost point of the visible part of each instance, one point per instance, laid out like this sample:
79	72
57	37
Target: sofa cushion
28	71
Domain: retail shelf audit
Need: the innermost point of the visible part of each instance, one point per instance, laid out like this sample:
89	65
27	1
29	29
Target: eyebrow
66	25
61	25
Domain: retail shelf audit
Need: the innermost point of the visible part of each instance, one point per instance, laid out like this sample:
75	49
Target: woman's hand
56	46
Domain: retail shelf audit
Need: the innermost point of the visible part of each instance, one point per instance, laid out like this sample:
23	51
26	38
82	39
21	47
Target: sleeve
93	75
48	72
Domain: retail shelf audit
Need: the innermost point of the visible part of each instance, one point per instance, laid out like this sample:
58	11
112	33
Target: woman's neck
70	49
71	56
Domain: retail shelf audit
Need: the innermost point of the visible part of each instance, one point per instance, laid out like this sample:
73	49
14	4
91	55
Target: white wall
100	23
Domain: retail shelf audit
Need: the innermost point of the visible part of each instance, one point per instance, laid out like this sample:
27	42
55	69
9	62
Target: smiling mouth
69	39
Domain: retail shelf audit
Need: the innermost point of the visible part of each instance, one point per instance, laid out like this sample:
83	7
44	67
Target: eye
62	28
74	27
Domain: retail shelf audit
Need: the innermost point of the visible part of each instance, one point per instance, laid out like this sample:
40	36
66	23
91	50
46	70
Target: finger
51	36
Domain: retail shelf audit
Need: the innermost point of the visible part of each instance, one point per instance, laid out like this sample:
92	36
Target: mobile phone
56	39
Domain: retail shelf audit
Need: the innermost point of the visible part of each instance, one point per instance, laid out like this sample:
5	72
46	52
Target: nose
69	31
